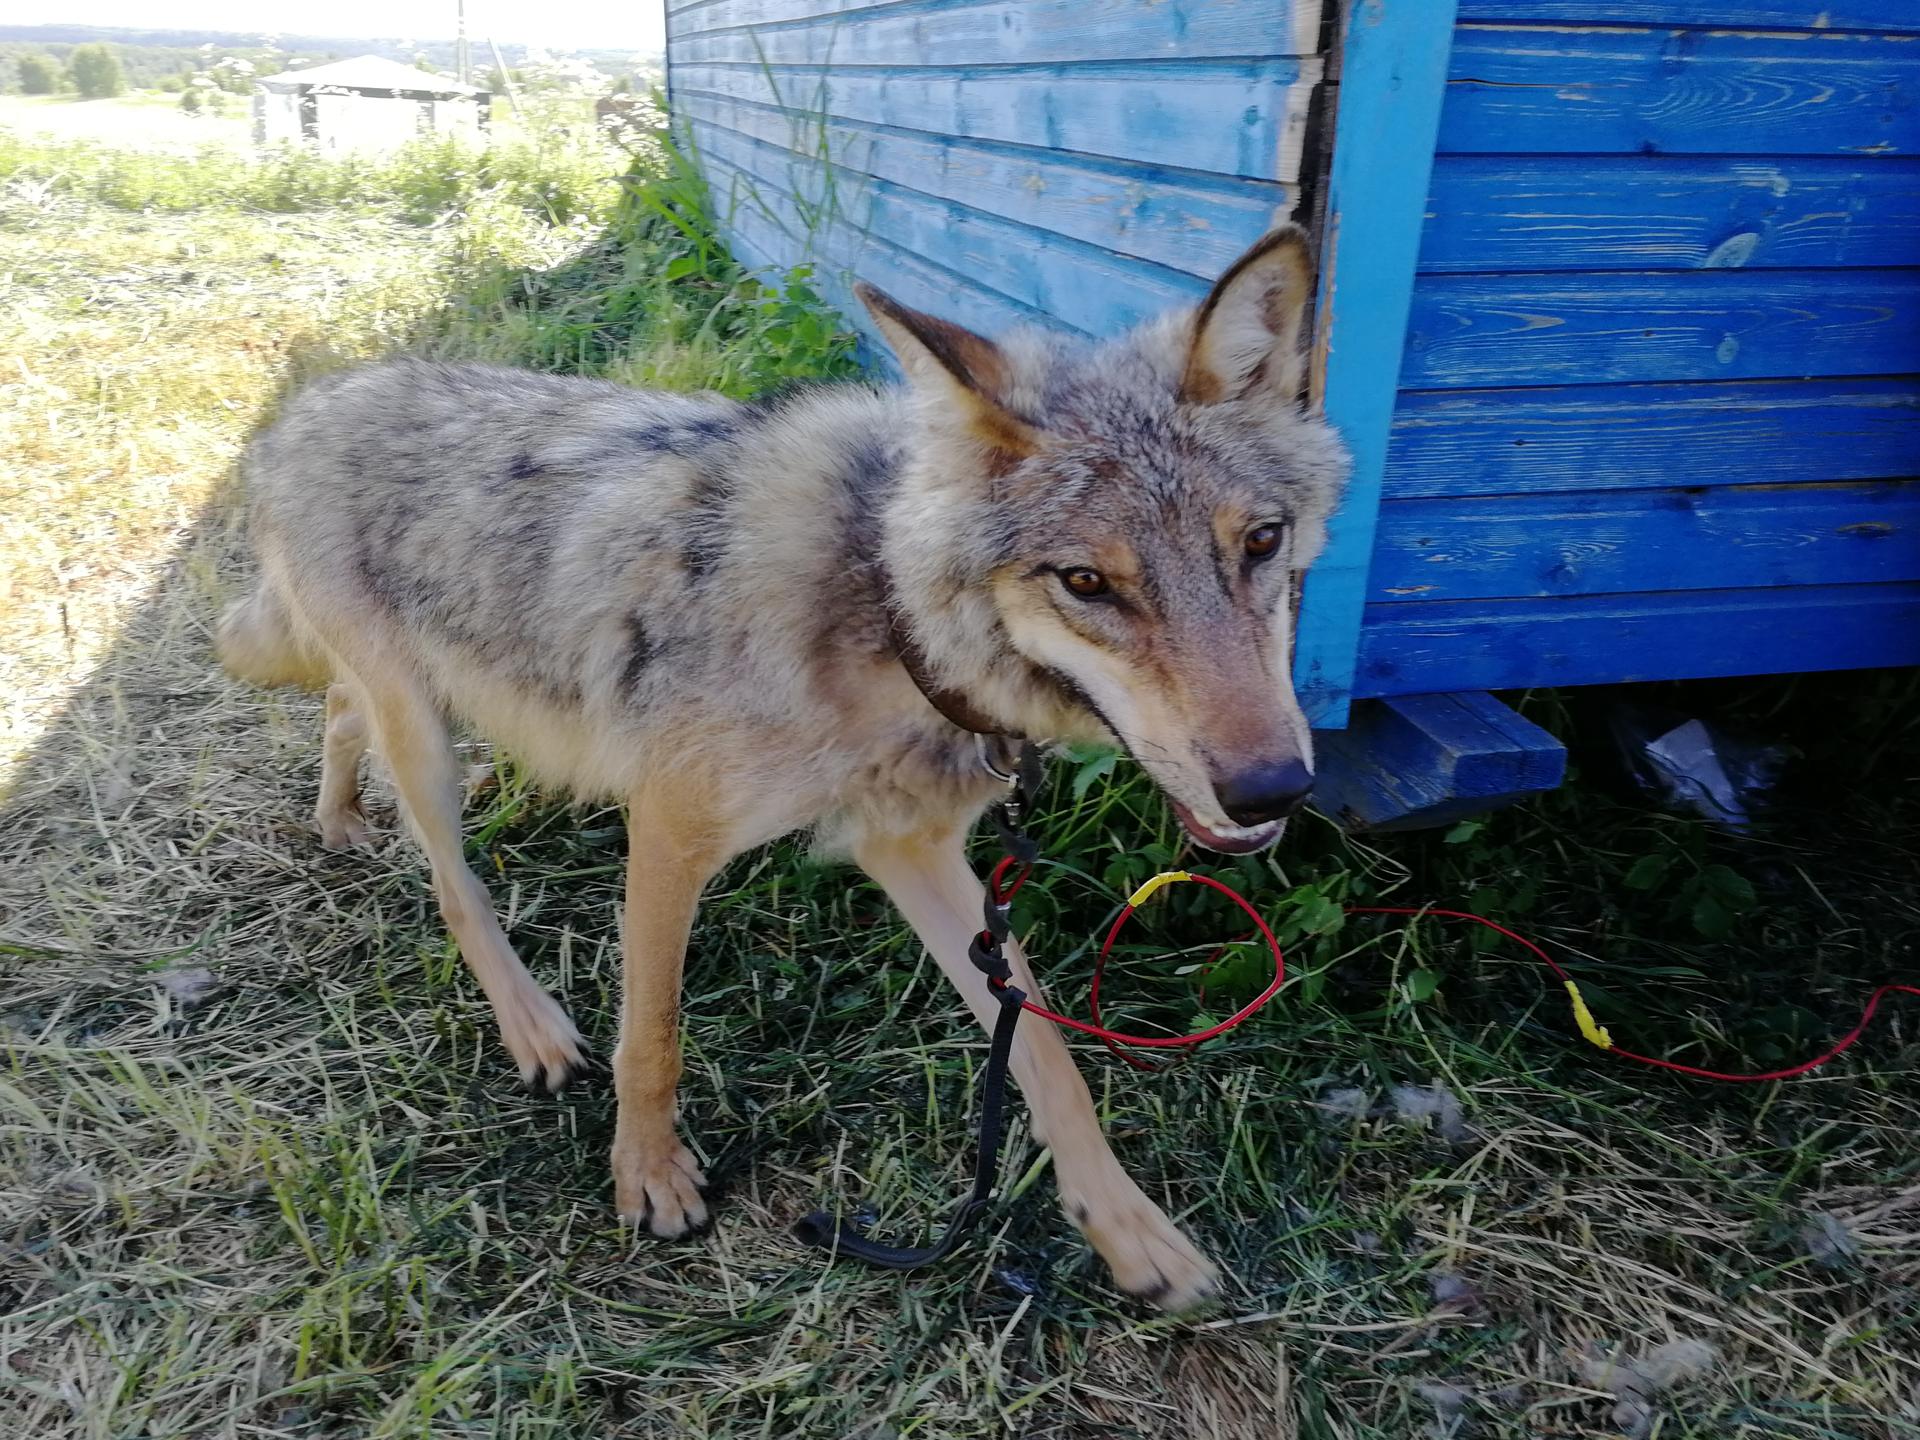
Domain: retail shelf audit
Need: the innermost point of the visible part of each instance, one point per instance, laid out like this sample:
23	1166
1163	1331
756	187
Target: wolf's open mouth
1230	842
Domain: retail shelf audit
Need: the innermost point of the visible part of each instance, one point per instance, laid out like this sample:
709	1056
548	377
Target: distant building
366	104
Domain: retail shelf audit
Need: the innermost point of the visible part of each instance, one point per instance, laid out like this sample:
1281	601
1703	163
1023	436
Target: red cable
1113	1040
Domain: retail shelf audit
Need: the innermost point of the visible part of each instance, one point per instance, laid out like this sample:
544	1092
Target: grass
264	1170
144	120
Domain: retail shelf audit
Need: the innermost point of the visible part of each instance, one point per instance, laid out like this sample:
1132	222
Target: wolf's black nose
1266	792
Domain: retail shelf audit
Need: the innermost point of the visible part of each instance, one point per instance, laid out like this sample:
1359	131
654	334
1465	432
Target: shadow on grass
267	1165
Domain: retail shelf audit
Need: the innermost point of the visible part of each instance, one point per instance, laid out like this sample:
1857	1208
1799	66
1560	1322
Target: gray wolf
698	607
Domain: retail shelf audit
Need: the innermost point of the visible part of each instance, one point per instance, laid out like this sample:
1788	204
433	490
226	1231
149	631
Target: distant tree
38	75
231	73
95	71
190	101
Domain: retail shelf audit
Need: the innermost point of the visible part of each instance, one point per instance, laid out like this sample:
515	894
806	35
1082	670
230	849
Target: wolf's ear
968	371
1247	333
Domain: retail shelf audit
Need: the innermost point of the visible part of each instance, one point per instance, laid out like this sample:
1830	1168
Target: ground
265	1171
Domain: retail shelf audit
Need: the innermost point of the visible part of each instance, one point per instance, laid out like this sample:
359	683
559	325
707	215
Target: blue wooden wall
1083	163
1659	414
1657	409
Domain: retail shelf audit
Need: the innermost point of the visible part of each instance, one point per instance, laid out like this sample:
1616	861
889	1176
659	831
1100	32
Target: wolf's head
1108	539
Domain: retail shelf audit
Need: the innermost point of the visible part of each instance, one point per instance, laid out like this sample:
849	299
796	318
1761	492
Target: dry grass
264	1172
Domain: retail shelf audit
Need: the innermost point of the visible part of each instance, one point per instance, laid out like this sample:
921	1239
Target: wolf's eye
1087	584
1263	540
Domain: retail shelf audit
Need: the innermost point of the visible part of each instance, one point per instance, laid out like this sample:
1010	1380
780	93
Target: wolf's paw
344	829
1145	1250
659	1187
540	1037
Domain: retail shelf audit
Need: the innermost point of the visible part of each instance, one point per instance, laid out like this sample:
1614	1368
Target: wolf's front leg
928	877
670	858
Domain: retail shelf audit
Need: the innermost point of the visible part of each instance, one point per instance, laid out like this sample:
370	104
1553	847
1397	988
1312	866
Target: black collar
953	705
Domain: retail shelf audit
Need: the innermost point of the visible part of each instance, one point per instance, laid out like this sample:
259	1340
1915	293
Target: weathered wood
1187	221
1630	212
1586	437
1423	760
1280	23
1606	542
991	32
1875	15
1393	68
1704	325
1229	116
840	253
1541	90
1090	289
1410	649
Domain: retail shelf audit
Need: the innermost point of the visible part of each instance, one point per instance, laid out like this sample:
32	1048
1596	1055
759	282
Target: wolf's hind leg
413	738
672	851
342	822
928	877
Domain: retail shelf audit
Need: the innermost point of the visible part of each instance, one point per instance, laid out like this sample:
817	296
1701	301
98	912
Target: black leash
843	1236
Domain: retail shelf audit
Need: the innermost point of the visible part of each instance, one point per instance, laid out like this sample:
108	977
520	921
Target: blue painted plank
1422	760
1631	212
1877	15
1090	289
842	253
1553	91
1236	117
1606	542
1491	442
1393	72
991	32
1703	325
1415	648
1188	221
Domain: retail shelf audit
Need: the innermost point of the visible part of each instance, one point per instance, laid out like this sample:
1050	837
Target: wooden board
1545	90
1181	219
1231	116
1683	212
1582	437
990	32
1086	288
1873	15
840	252
1707	325
1423	760
1603	542
1393	71
1410	649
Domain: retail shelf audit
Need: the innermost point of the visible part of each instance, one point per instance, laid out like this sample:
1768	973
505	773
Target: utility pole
506	76
462	61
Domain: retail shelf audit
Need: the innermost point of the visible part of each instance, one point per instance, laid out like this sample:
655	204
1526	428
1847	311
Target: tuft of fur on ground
264	1170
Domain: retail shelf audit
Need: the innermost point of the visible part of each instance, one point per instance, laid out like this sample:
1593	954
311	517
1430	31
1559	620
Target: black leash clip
1023	788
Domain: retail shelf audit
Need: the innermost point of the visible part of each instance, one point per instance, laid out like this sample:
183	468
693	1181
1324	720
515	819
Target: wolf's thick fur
689	604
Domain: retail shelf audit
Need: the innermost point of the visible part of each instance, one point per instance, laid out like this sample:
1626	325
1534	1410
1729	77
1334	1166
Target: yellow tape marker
1595	1032
1145	892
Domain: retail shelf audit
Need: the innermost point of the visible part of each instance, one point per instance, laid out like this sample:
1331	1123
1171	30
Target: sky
638	25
